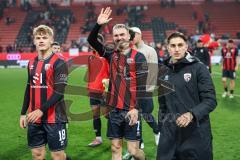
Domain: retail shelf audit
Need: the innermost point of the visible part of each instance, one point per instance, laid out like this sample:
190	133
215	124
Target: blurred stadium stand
157	19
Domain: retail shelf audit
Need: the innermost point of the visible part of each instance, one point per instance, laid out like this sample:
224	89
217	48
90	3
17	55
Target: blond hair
43	29
118	26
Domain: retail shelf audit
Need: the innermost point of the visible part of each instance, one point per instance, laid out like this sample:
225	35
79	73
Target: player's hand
104	16
23	121
236	68
133	116
34	116
184	119
105	83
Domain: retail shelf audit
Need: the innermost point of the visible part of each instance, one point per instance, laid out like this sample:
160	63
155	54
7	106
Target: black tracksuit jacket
193	92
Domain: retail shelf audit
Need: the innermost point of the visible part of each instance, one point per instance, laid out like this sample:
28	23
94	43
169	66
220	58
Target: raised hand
104	16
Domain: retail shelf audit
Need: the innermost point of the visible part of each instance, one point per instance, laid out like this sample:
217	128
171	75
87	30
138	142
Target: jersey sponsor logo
129	60
201	50
62	77
187	77
47	66
37	78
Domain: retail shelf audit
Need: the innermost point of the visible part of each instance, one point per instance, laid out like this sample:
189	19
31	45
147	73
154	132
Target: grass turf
225	122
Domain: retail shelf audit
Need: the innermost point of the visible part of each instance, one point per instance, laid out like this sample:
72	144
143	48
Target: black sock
140	132
97	126
148	117
231	91
226	89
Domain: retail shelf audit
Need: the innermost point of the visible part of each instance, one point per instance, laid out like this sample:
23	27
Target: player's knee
38	154
132	151
115	148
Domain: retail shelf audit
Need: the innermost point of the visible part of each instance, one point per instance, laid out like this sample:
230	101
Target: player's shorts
96	99
53	134
229	74
118	126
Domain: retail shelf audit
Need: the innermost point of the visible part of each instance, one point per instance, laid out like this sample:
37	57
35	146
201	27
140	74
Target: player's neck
44	54
139	44
125	52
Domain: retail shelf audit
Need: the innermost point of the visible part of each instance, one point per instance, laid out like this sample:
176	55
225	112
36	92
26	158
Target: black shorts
96	99
55	135
118	126
229	74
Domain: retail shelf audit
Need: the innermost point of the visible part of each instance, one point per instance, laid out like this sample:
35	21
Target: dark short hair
176	35
55	43
199	41
132	35
230	41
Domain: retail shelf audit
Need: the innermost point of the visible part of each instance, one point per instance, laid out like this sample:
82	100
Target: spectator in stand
9	48
160	52
1	49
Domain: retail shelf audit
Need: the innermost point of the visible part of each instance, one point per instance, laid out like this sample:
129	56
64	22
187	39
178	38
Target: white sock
99	138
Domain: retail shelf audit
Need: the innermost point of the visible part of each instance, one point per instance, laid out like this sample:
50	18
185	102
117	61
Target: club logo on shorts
47	66
187	77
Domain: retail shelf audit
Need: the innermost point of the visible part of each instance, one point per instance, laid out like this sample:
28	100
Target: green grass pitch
13	142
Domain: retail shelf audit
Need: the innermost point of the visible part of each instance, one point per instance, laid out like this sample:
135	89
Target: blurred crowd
135	15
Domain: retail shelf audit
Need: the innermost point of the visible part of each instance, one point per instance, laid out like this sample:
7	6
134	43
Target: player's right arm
25	103
222	59
103	18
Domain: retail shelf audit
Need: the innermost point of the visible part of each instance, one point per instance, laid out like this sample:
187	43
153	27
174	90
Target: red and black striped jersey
45	89
229	56
128	74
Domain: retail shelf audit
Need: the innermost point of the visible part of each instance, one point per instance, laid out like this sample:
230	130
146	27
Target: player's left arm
60	81
206	92
237	60
25	105
141	70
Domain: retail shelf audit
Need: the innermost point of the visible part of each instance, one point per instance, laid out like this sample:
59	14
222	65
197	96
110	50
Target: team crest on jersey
166	78
47	66
187	77
129	60
116	57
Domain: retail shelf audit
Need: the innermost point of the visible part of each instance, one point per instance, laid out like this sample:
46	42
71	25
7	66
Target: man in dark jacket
202	53
184	114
